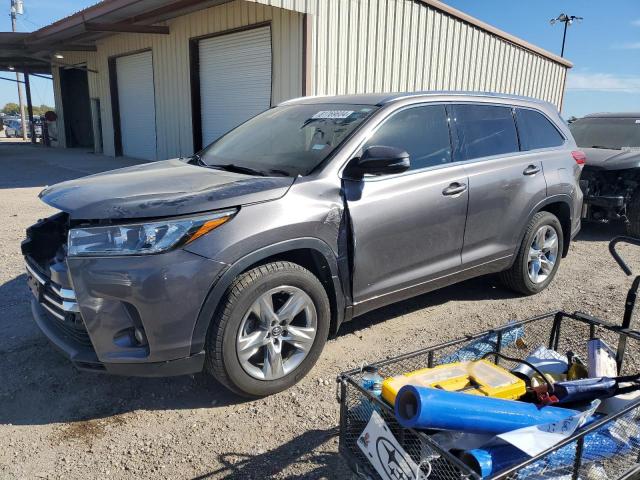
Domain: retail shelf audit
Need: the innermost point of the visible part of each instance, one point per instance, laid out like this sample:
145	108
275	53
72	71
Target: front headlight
142	238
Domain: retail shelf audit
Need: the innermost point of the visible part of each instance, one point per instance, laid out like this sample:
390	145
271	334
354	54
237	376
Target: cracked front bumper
91	323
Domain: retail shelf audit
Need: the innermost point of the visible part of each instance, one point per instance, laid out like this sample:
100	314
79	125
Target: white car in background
13	129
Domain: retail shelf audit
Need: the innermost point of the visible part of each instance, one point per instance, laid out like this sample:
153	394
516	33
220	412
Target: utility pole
17	8
567	20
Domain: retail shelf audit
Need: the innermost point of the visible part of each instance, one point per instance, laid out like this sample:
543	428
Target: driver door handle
454	189
531	170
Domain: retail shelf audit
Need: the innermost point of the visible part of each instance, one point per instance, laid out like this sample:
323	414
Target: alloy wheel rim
543	254
276	333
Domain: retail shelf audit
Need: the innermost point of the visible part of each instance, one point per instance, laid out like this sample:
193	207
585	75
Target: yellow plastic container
476	378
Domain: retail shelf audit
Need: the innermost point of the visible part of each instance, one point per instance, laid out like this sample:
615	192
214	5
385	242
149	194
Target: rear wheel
269	330
539	256
633	215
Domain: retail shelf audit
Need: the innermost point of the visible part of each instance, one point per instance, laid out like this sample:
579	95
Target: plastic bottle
372	380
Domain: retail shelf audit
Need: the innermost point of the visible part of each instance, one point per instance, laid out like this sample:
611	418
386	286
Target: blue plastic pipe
426	408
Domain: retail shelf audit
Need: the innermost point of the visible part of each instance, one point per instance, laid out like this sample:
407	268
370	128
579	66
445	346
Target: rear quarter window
484	130
536	131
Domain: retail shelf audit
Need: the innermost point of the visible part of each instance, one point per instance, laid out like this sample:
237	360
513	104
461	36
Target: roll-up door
235	80
136	101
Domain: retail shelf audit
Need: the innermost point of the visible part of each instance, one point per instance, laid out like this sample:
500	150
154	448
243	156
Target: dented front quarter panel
312	208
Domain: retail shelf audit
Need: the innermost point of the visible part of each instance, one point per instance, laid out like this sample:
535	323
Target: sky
604	47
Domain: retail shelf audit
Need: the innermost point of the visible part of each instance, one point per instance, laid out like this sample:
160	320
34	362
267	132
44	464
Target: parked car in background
243	258
611	176
13	129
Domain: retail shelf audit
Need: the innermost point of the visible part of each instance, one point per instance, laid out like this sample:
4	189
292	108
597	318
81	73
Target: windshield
604	132
288	140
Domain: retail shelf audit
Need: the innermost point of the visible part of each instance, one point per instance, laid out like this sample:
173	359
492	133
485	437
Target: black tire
633	215
221	359
517	277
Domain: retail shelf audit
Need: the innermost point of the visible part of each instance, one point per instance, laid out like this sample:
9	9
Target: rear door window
484	130
423	132
536	131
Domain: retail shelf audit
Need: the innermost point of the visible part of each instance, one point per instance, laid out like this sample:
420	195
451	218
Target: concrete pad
25	165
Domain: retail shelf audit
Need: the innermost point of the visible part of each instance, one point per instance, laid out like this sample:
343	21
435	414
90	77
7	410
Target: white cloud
628	46
603	82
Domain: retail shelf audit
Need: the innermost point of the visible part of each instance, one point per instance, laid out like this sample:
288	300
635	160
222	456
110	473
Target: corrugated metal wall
172	72
363	46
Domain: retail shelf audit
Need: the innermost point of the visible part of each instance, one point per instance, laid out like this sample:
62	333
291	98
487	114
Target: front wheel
269	329
539	256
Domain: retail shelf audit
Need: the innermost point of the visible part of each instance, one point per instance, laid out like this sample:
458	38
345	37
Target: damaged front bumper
84	357
131	316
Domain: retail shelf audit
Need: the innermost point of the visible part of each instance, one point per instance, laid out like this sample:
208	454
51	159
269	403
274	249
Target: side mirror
379	160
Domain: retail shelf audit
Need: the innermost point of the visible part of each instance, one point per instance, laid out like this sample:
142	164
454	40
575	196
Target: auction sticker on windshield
333	114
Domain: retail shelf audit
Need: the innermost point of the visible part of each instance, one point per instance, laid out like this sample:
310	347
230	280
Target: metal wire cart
604	449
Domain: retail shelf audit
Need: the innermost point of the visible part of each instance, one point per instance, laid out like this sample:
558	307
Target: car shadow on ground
600	232
274	462
482	288
40	386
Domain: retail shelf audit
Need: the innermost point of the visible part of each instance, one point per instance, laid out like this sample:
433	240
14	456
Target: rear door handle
531	170
454	189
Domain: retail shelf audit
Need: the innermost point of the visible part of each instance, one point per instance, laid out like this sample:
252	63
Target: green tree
11	109
42	109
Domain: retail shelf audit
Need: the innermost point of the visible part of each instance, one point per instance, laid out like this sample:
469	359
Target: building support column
27	86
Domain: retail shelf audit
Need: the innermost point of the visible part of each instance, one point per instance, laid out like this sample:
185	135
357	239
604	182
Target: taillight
579	157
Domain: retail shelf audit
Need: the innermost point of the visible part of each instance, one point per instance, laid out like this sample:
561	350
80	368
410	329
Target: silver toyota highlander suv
242	259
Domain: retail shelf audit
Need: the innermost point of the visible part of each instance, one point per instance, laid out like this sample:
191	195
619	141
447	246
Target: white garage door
235	80
136	99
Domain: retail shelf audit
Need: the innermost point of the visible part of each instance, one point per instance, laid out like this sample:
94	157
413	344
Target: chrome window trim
374	127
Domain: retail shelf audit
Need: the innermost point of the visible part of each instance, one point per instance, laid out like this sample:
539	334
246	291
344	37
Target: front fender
219	288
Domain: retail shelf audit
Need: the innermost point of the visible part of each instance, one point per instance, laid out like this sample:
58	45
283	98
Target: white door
235	80
136	99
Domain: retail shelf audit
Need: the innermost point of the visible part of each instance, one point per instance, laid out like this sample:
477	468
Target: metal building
158	79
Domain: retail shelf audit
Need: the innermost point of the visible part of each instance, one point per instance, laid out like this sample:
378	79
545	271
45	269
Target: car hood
160	189
612	159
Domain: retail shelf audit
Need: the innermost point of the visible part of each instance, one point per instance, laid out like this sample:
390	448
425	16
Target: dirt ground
56	422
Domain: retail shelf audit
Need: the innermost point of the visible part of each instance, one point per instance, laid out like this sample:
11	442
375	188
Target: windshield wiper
194	159
230	167
277	171
604	148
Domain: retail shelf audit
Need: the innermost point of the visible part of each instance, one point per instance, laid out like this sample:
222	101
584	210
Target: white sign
384	452
333	114
536	439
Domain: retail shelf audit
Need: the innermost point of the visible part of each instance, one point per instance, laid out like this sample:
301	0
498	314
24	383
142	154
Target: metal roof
71	32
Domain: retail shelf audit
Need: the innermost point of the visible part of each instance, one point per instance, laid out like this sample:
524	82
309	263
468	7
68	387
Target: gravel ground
56	422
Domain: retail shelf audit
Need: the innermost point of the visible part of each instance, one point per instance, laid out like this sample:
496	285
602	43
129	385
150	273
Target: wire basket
608	448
